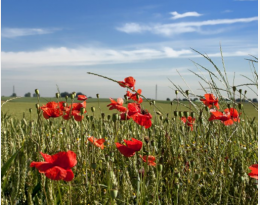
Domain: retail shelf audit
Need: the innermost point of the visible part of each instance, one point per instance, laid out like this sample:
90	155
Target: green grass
20	107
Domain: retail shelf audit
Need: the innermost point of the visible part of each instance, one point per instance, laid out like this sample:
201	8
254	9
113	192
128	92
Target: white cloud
84	56
16	32
178	28
176	15
227	11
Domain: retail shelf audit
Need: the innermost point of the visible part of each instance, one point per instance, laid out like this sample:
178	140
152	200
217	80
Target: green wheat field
206	165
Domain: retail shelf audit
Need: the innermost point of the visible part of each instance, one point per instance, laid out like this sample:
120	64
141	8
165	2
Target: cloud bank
17	32
176	15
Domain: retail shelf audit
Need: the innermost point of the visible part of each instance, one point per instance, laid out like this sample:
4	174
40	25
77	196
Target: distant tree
184	99
168	99
195	99
255	100
27	94
238	100
13	95
79	93
89	97
64	94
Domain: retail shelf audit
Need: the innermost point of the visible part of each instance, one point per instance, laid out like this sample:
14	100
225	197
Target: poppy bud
175	113
146	139
108	117
66	97
57	95
115	117
161	117
240	106
154	102
171	103
72	95
87	117
64	104
245	92
103	115
113	193
37	106
206	108
91	117
228	105
151	102
180	113
97	95
234	88
160	167
30	110
187	92
240	91
93	109
192	114
37	92
166	120
186	114
82	110
158	113
176	92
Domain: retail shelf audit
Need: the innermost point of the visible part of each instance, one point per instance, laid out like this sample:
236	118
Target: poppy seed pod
180	113
234	88
103	115
176	92
30	110
82	110
72	96
161	117
91	117
57	95
64	104
240	91
37	92
245	92
93	109
175	113
108	117
171	103
87	117
186	114
97	95
115	117
206	108
187	92
240	106
154	102
158	113
66	97
192	114
37	106
151	103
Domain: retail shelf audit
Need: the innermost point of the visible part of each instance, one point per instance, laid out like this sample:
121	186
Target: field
138	153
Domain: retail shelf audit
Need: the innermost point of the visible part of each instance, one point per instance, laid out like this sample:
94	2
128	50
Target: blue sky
49	43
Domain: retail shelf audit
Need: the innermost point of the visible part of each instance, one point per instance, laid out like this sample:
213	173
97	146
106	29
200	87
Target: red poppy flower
130	148
151	160
228	117
52	109
129	82
140	116
189	122
124	116
135	97
82	97
254	171
57	166
97	142
210	100
117	105
74	111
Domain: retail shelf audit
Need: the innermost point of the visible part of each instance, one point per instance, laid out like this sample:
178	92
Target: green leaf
36	189
7	165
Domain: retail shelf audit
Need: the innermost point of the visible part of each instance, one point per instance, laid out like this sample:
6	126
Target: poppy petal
69	176
127	152
41	166
135	144
66	160
56	173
